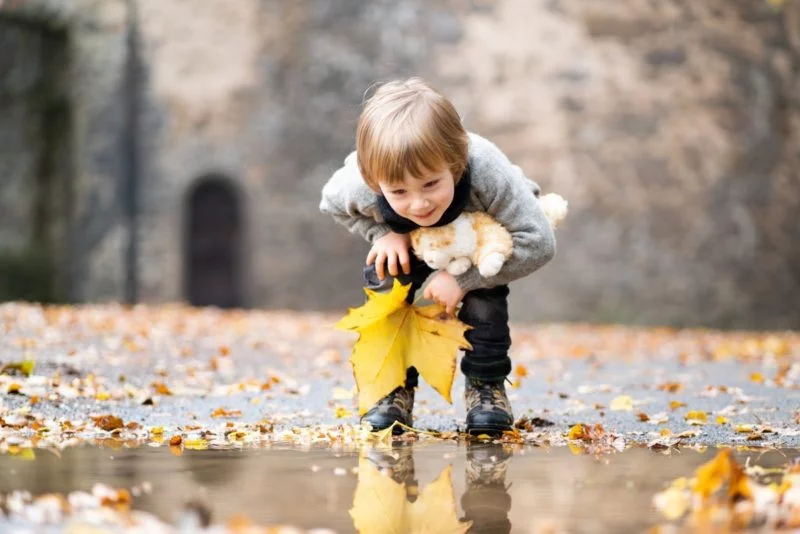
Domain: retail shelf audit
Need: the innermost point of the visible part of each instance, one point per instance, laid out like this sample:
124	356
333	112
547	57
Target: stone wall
671	127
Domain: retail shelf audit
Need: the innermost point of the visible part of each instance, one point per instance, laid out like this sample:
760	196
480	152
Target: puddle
499	488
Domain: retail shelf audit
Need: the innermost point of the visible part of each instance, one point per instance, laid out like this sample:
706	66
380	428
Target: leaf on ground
671	387
108	422
623	403
521	370
161	388
696	417
395	335
341	412
380	504
24	368
222	412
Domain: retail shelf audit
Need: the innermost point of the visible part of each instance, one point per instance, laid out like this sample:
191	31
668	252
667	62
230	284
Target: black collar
401	225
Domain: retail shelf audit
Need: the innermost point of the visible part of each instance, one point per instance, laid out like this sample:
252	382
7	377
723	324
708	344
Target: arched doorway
212	257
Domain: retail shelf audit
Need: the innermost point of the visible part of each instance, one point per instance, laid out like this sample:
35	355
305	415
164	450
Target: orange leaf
222	412
108	422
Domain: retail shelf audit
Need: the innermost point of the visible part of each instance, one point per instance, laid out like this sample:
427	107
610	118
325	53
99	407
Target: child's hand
444	289
390	249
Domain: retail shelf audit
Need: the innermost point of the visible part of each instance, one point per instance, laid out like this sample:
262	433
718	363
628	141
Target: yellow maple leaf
395	335
380	505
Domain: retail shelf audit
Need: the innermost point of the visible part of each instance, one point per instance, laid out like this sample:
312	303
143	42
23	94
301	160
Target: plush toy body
475	238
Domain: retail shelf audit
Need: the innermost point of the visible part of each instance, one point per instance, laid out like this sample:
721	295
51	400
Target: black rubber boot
488	408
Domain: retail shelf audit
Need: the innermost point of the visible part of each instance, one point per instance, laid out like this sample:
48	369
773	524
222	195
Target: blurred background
166	150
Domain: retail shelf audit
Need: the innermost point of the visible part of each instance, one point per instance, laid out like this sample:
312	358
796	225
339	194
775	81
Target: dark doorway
213	244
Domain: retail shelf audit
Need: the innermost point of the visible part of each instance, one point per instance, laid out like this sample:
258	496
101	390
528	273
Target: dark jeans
485	310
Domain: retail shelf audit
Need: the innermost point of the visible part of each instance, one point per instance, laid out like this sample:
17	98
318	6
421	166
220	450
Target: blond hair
407	126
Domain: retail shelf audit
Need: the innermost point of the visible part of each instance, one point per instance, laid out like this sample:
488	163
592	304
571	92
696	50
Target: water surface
498	488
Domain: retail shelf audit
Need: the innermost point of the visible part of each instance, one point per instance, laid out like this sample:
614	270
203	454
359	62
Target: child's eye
431	184
398	192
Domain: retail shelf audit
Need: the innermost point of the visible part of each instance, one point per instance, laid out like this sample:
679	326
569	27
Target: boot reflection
486	501
398	464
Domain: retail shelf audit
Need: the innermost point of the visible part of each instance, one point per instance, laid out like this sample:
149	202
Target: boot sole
490	430
395	431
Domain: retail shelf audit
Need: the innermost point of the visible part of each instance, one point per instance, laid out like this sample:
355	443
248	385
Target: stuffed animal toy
475	238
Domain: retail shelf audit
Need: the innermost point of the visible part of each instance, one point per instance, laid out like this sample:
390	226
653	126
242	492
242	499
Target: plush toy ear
554	207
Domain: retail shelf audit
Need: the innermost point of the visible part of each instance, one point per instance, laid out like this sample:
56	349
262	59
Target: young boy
415	165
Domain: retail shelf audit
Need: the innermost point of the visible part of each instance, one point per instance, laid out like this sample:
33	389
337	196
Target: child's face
422	200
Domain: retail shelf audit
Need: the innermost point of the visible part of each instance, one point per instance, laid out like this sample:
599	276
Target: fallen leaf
696	417
671	387
623	403
674	405
108	422
578	431
222	412
342	412
393	336
24	368
160	388
521	371
198	444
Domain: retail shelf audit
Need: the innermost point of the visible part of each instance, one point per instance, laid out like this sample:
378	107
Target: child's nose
419	203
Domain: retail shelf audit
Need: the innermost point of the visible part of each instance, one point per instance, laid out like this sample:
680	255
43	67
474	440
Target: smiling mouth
425	215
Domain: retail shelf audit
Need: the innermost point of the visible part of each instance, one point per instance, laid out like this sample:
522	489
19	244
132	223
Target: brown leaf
222	412
108	422
671	387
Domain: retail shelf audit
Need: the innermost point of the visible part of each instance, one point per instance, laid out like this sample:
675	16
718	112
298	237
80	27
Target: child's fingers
380	265
391	260
371	256
405	261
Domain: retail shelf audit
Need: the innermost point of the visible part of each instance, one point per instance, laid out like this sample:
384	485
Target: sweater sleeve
351	203
511	198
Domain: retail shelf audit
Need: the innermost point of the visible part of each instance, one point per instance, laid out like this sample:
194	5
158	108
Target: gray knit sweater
499	188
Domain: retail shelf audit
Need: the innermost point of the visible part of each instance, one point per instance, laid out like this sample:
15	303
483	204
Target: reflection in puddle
388	498
440	487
